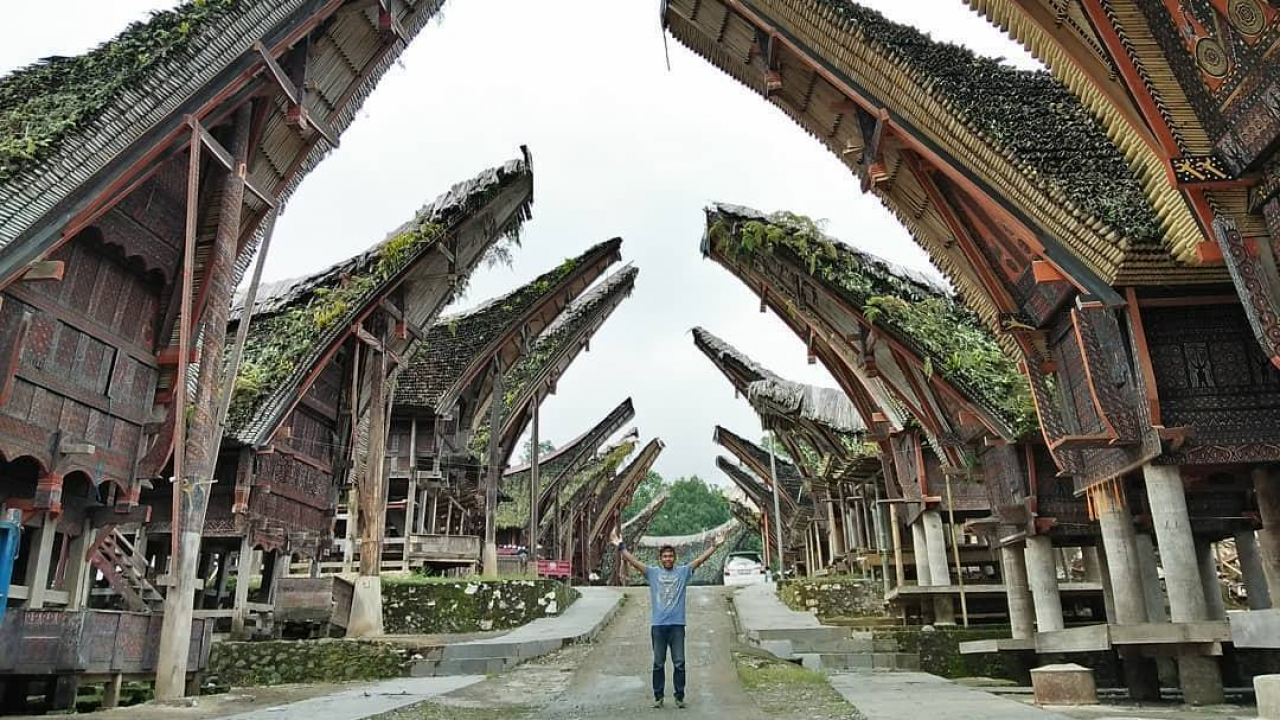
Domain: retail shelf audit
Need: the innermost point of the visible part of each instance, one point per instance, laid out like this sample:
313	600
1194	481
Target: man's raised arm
706	555
616	540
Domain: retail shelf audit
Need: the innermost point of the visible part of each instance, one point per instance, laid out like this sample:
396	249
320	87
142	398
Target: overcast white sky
621	146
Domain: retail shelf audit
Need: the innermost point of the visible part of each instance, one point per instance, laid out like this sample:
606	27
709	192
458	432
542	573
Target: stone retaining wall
834	598
416	606
245	664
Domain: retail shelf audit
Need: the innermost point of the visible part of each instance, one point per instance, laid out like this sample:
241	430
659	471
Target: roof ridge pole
777	513
197	456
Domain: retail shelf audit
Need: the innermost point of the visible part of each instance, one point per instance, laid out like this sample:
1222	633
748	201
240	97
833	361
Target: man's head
667	556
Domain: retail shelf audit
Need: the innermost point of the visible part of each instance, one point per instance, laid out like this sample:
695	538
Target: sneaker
680	703
657	703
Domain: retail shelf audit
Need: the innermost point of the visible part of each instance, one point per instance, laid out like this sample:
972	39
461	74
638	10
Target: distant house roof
295	322
919	312
513	512
789	477
70	125
555	349
454	343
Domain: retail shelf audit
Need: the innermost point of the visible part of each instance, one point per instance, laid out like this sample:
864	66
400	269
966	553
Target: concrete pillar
1152	591
944	612
39	560
1120	546
1266	483
895	529
1042	576
1168	503
1207	556
936	546
1097	570
920	552
244	574
1255	578
79	569
1022	614
1200	676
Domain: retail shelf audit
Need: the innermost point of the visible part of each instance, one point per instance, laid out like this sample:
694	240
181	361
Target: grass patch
756	674
418	579
786	691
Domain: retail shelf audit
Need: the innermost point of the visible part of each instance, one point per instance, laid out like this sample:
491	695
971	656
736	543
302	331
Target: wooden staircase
113	555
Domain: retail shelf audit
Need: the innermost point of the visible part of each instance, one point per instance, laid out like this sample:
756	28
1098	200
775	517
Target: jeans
667	637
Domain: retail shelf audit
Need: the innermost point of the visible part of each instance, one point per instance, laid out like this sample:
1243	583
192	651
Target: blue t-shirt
666	593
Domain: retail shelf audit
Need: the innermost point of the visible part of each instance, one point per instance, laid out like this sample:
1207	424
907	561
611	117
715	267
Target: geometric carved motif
1222	54
1211	376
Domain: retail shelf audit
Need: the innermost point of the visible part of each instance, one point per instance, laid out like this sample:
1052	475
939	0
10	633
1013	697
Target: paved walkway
362	702
614	681
759	608
900	695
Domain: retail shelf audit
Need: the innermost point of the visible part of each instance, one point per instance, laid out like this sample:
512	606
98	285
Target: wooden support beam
44	270
1209	252
224	158
1044	272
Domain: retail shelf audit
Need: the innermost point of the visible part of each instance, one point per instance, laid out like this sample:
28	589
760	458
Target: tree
545	448
649	488
692	506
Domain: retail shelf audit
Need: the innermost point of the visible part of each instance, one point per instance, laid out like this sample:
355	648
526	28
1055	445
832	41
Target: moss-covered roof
43	104
555	343
921	315
455	343
1031	116
514	513
572	456
296	321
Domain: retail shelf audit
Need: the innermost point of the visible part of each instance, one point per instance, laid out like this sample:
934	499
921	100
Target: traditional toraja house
760	495
527	383
294	428
119	247
559	476
795	507
1150	391
577	501
440	400
820	430
915	358
602	510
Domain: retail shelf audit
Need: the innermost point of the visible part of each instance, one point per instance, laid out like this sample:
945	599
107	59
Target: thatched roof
554	350
1021	136
920	314
571	457
458	342
789	477
513	511
825	406
297	321
71	126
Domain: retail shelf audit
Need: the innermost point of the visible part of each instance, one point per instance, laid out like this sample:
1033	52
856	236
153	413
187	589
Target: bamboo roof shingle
295	322
455	343
70	127
920	314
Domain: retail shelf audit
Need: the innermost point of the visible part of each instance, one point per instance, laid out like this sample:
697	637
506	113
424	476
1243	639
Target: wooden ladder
113	555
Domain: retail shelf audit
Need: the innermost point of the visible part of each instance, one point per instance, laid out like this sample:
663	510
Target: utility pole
777	513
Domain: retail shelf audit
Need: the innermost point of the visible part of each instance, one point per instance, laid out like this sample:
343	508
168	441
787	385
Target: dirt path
613	681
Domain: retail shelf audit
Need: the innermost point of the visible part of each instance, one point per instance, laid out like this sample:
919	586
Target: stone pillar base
366	608
1201	679
1067	684
1267	688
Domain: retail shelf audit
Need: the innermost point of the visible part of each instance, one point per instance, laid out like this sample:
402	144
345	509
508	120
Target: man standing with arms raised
667	585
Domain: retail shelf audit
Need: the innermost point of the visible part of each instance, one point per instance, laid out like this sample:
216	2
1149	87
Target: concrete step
860	661
805	640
